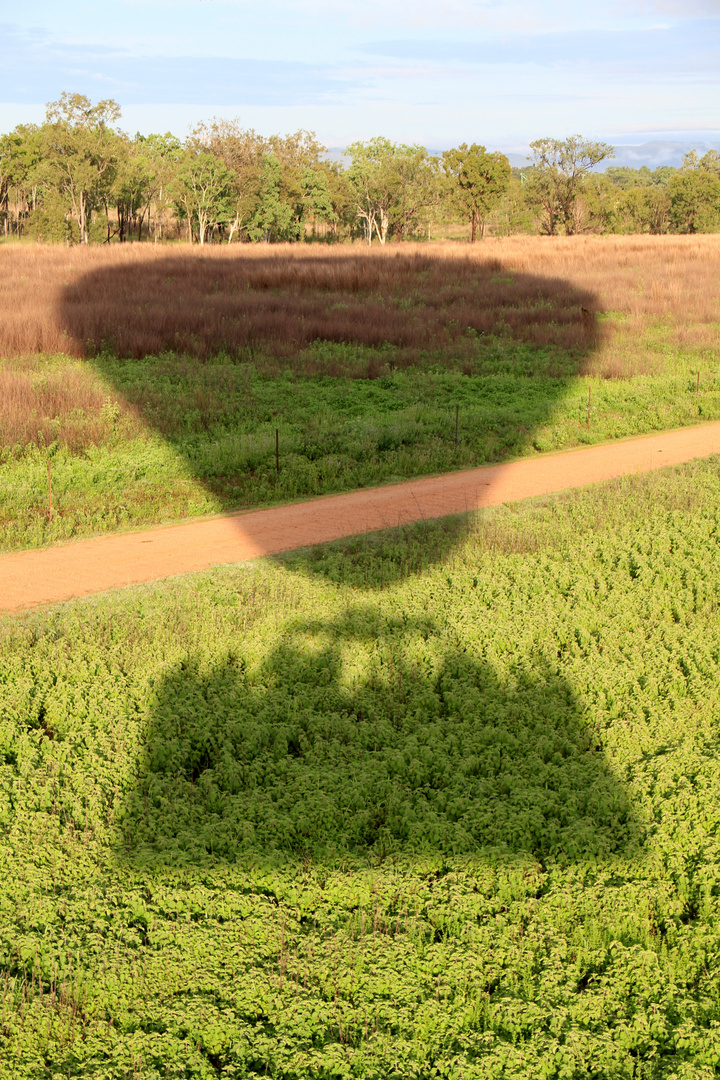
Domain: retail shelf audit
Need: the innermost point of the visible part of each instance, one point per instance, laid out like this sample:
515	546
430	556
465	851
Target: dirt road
49	575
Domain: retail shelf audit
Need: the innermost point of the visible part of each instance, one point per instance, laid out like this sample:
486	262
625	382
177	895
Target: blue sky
430	71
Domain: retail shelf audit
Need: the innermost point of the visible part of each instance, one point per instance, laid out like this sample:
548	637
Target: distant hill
653	154
634	155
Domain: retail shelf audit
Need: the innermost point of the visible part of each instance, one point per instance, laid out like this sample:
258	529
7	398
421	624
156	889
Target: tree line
77	178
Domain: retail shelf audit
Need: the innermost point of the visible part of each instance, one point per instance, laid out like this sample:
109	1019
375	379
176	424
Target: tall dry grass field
271	301
617	306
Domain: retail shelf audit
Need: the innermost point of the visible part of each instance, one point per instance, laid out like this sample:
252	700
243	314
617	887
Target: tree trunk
83	219
368	220
382	228
473	227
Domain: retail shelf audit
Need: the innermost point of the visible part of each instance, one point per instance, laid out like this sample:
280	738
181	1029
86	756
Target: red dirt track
49	575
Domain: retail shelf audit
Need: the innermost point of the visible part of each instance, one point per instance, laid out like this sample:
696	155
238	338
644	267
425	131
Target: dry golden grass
659	293
65	404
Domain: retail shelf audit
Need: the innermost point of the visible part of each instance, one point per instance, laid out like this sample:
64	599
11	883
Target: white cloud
494	15
484	71
682	9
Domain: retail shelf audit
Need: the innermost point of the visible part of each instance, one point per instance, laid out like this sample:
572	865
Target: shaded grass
211	446
153	923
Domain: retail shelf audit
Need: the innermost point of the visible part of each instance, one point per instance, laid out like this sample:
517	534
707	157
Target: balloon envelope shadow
426	752
313	314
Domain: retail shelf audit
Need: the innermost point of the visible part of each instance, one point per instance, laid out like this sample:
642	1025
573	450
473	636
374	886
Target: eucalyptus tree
418	188
392	184
242	151
695	199
709	162
303	182
203	187
20	159
275	217
560	166
134	180
278	180
318	205
300	149
342	198
162	155
479	181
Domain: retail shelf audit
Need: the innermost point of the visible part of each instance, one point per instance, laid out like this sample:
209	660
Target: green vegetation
560	168
437	803
199	438
480	180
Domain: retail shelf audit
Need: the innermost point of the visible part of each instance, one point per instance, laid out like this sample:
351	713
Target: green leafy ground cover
438	803
202	436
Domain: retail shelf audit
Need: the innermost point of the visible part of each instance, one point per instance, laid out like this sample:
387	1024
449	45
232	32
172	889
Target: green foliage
79	155
317	196
626	178
20	168
78	167
280	183
709	162
559	168
392	185
480	180
695	200
136	177
50	222
203	188
515	213
645	208
604	206
274	217
213	447
277	820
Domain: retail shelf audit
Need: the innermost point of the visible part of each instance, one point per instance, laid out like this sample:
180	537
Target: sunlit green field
436	803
